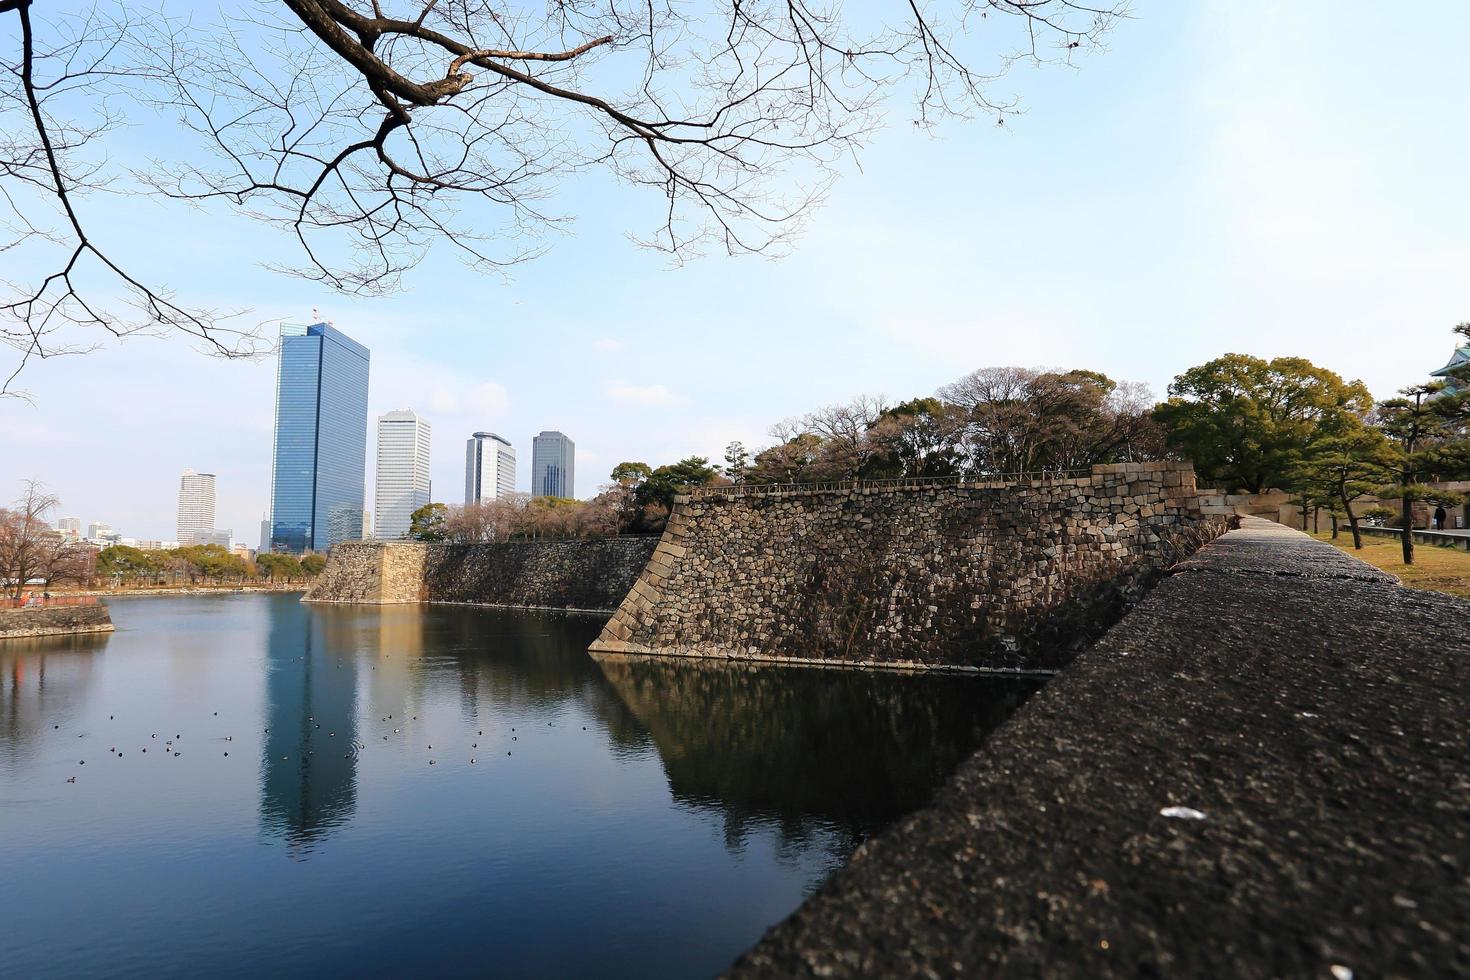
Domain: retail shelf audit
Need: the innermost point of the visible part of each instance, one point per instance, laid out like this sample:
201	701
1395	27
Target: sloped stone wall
54	621
593	574
971	576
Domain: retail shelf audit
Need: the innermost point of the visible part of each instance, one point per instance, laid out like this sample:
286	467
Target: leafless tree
1025	419
364	127
31	550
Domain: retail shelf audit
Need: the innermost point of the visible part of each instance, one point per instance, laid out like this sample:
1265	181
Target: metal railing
1440	539
42	602
897	483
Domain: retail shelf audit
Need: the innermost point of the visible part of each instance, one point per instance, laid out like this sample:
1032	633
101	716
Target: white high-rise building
70	527
489	468
553	466
196	505
403	472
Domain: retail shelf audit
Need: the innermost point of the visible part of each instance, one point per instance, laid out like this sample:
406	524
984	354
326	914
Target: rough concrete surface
1310	708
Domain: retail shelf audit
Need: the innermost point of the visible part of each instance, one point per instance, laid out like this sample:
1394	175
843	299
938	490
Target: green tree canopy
126	562
1338	469
631	474
915	438
274	565
665	482
1249	423
427	523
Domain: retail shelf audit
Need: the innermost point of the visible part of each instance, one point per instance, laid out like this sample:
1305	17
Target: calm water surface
626	819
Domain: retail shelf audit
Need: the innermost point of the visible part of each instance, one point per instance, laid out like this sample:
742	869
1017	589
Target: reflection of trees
37	676
308	782
810	749
524	662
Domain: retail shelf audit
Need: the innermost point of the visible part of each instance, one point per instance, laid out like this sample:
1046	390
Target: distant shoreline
188	590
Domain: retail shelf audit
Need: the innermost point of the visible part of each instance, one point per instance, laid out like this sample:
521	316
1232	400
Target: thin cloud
488	398
643	395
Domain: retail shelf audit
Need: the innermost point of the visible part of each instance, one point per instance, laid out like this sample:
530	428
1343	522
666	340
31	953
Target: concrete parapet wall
54	621
972	576
587	574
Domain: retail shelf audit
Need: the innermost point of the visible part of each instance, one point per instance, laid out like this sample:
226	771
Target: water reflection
811	750
636	819
42	681
308	766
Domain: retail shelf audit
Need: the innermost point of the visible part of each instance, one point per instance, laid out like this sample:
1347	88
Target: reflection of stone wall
590	574
54	621
753	743
1016	575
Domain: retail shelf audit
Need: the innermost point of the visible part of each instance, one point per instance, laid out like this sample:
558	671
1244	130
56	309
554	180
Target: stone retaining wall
1259	772
54	621
593	574
1014	576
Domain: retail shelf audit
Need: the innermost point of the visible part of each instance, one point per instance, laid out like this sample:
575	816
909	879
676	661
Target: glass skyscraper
553	466
321	439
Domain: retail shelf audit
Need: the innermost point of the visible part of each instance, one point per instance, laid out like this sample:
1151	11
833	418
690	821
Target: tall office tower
196	506
99	530
403	473
265	533
553	466
321	439
489	468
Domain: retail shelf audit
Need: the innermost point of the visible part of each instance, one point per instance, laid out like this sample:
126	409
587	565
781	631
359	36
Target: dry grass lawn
1435	568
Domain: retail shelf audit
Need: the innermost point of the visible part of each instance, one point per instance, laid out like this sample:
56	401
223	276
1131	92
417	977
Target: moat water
251	786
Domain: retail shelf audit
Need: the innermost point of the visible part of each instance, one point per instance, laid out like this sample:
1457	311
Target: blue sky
1265	178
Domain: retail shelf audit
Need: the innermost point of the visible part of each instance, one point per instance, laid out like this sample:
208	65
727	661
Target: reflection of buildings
392	642
308	775
809	749
36	676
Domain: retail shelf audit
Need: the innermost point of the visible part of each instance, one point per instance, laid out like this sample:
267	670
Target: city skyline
1189	233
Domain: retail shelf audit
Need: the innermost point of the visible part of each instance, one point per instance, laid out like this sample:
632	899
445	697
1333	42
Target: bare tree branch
372	131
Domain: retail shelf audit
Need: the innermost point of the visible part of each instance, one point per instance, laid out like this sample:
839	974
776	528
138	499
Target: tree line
1250	424
1247	424
993	421
32	552
201	563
